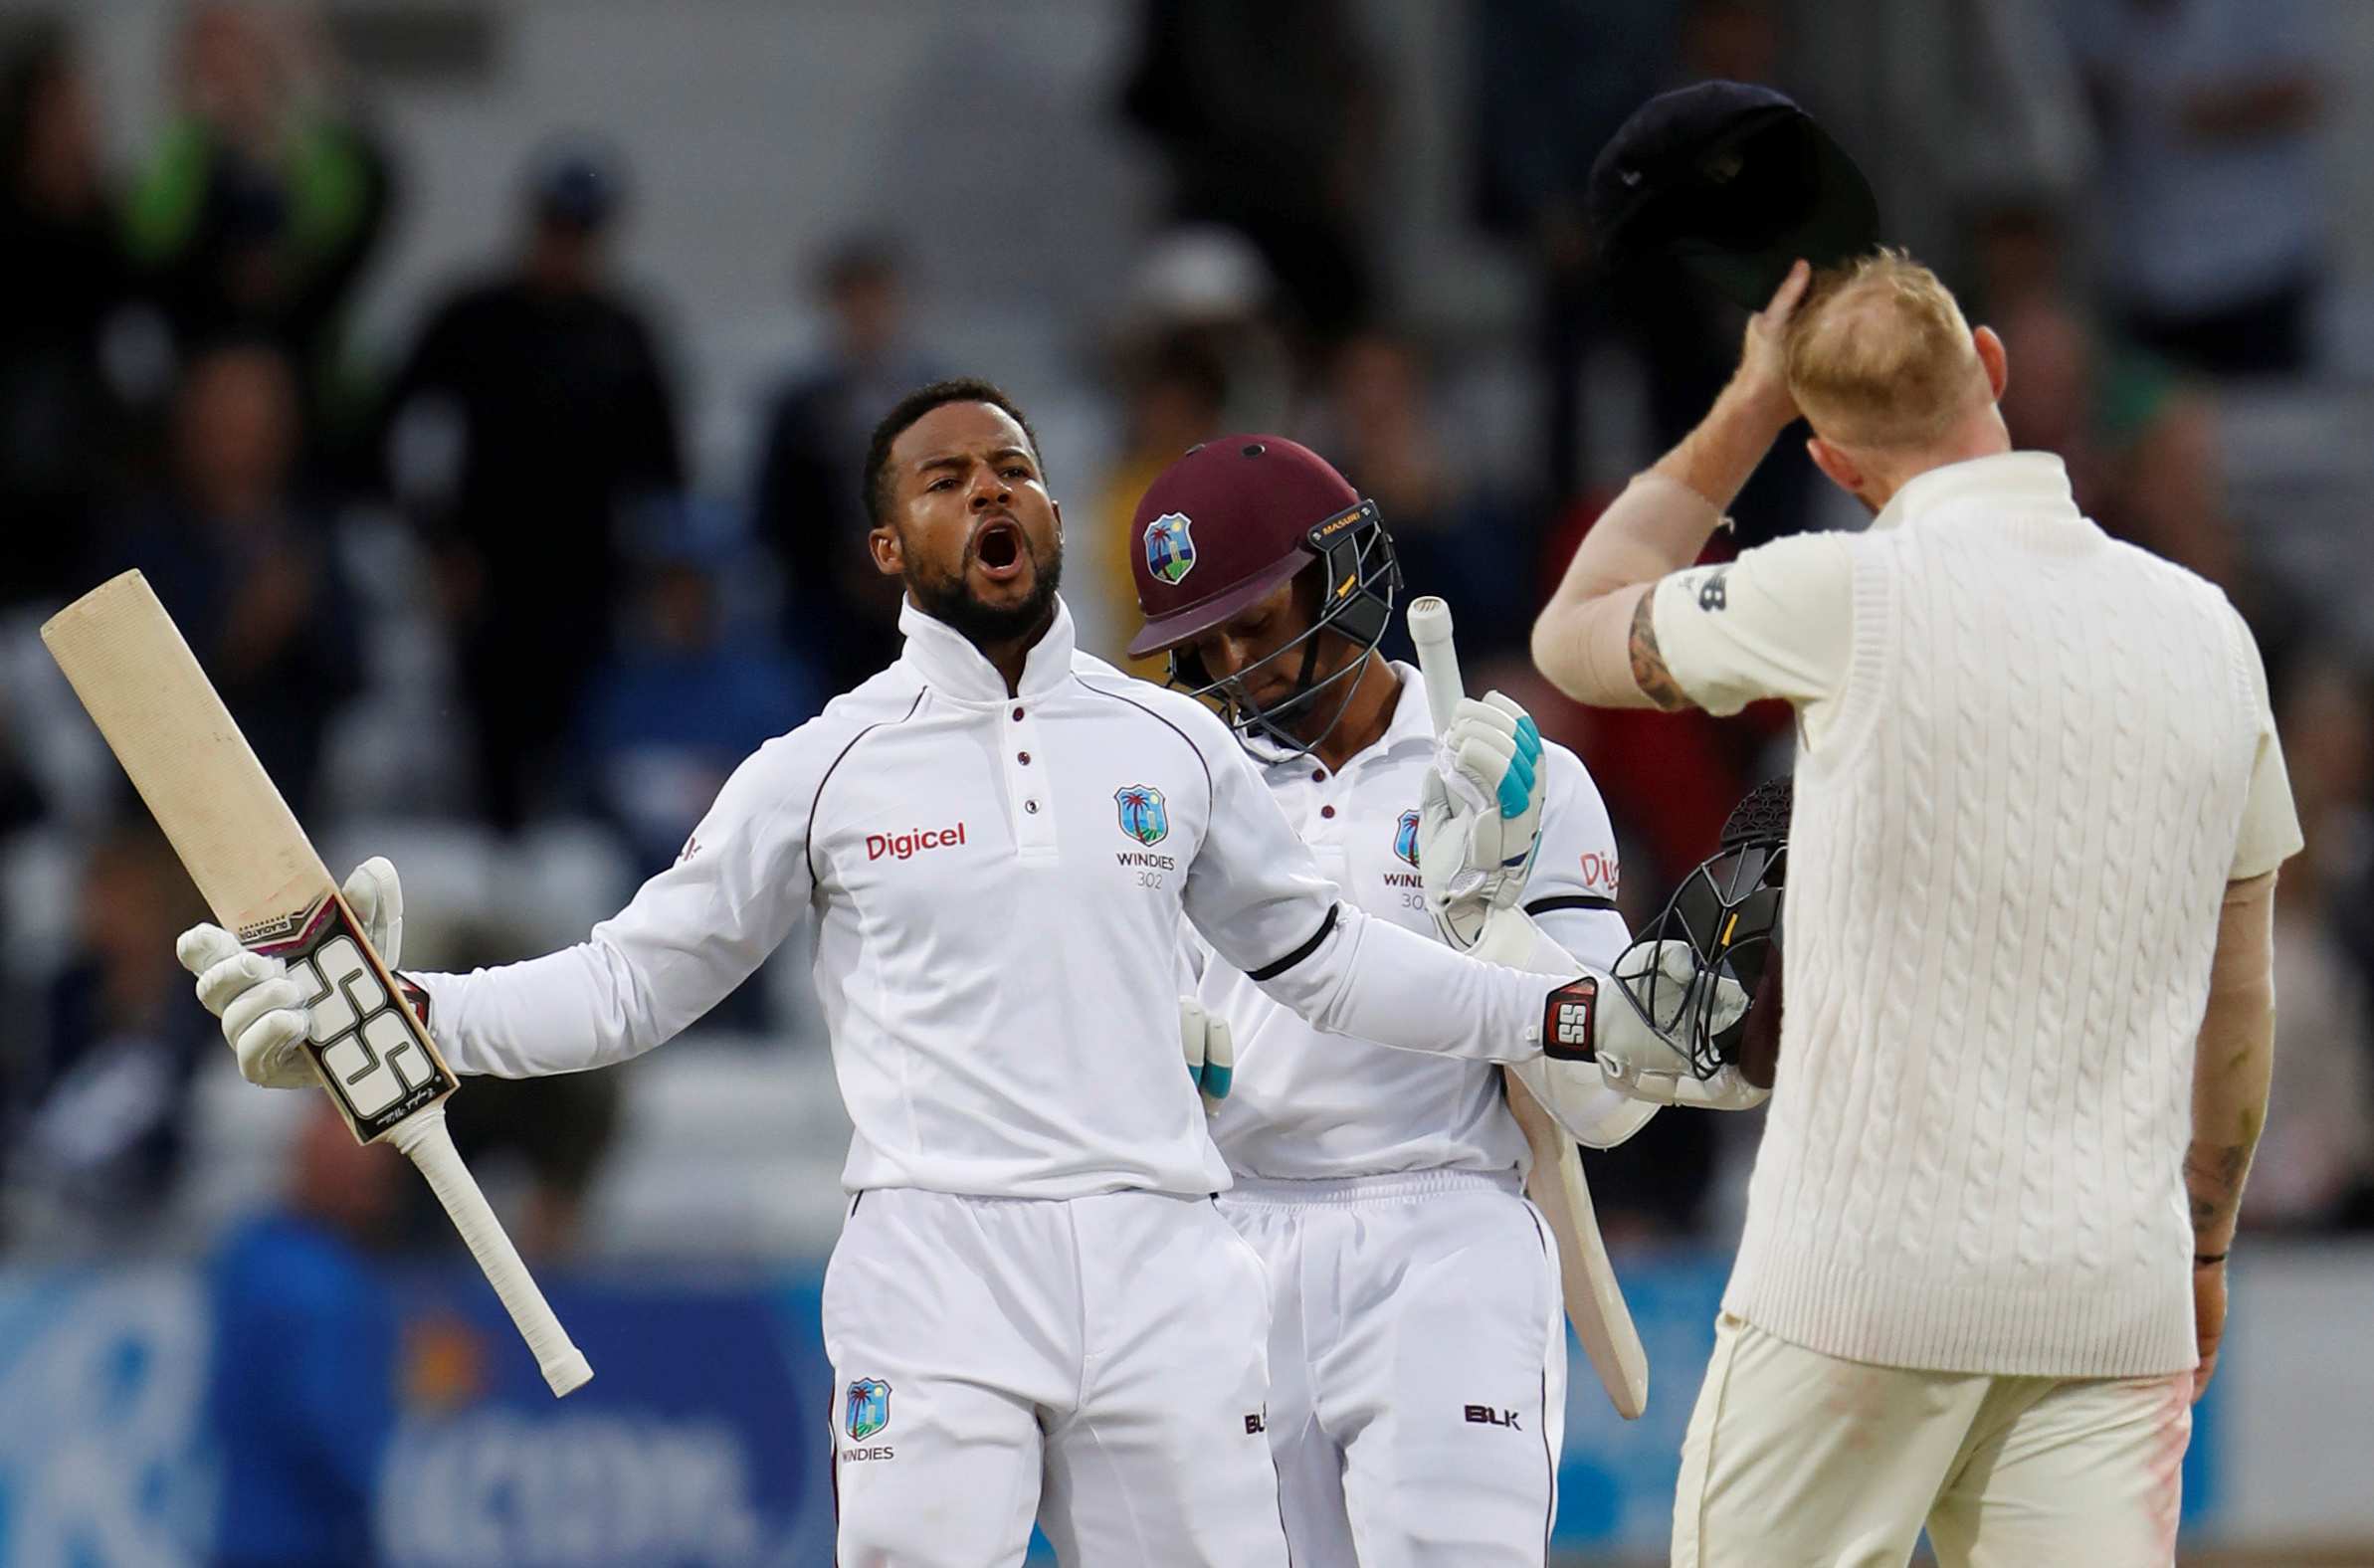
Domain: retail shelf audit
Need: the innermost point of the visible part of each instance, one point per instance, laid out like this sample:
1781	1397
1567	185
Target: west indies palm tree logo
1143	816
1170	548
1405	837
868	1408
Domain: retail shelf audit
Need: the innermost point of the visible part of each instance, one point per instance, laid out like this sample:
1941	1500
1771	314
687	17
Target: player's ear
1993	358
1840	468
1057	507
890	554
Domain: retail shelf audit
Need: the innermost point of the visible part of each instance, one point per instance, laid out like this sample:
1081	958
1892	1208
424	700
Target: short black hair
913	406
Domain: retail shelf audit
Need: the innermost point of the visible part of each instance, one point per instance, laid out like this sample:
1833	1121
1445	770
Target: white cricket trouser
1795	1459
1095	1362
1417	1367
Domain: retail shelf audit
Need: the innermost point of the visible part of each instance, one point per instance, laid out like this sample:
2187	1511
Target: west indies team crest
1170	548
1143	816
1405	837
868	1408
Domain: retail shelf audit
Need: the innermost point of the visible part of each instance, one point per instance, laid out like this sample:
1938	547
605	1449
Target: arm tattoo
1649	670
2213	1176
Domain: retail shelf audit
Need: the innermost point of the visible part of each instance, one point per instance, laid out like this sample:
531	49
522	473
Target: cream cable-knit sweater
2006	864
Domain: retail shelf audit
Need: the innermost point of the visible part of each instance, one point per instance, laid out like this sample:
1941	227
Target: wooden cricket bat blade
1586	1275
267	886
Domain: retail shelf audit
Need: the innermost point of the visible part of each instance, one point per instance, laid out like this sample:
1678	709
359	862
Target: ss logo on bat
366	1048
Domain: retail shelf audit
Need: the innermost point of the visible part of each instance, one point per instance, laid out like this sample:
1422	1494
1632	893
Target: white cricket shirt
1308	1105
996	883
2035	758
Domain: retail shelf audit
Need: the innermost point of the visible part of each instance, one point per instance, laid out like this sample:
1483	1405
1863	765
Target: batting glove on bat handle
1480	815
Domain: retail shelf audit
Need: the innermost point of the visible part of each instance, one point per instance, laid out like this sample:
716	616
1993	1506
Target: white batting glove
265	1014
1479	816
1210	1052
1637	1053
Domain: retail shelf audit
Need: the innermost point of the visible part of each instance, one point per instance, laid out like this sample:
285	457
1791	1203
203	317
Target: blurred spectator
1553	79
688	696
2316	1157
60	231
1202	288
805	502
108	1084
2214	205
1176	393
1682	337
267	197
246	565
1269	119
532	414
302	1381
2142	447
1454	536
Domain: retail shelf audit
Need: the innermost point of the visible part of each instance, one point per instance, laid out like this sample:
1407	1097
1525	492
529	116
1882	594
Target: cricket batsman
1417	1340
1035	1308
2039	809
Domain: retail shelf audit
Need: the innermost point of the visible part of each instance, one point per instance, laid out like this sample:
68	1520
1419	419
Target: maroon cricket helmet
1221	530
1222	527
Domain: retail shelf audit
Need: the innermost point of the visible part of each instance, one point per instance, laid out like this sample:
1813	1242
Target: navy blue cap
1735	182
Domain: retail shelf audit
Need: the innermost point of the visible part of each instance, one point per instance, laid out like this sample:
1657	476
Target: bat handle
423	1138
1437	659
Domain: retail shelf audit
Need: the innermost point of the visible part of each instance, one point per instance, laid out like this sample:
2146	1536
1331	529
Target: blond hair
1879	355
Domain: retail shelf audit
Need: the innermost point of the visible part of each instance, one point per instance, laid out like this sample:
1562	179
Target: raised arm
1596	640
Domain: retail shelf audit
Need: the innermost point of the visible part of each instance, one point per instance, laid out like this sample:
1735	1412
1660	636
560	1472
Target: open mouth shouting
997	548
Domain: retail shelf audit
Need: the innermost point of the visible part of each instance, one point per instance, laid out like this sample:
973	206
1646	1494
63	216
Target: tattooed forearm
1649	670
2213	1178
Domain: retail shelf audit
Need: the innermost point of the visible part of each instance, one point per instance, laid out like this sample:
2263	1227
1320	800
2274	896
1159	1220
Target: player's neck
1367	713
1009	656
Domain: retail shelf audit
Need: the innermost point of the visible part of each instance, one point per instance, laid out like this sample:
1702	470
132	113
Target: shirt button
1023	757
1018	713
1326	811
1319	775
1031	806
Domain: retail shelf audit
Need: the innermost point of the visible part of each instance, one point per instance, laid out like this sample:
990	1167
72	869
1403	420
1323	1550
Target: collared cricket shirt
995	882
1306	1105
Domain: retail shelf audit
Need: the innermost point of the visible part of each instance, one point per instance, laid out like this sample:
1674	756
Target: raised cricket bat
267	886
1594	1299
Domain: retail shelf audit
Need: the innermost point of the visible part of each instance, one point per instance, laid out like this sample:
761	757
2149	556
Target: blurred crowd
478	586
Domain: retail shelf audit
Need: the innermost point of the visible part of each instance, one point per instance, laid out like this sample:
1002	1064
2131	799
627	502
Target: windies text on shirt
901	844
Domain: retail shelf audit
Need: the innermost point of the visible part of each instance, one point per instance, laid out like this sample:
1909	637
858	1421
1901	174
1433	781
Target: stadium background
481	382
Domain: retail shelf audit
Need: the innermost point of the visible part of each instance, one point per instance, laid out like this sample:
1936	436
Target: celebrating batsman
2039	808
1034	1309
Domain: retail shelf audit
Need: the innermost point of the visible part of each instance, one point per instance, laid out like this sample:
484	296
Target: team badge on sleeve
1170	548
1405	837
868	1408
1143	816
